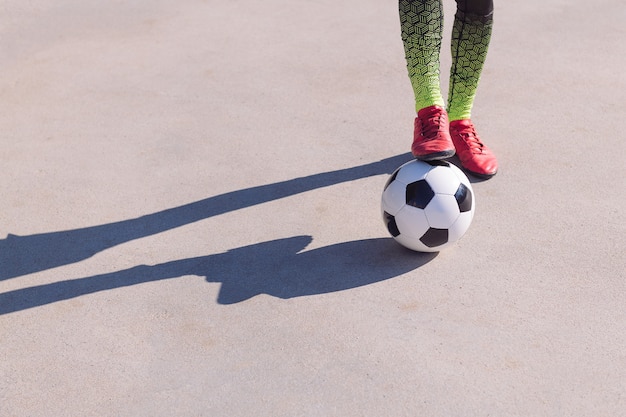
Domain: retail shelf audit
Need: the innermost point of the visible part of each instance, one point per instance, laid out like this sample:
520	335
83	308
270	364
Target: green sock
421	22
470	40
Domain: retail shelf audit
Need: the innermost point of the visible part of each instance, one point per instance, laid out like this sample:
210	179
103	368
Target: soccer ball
427	206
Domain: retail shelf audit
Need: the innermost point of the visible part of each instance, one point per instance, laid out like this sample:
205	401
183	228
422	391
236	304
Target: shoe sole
435	156
479	175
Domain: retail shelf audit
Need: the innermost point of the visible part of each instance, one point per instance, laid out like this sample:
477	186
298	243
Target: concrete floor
190	226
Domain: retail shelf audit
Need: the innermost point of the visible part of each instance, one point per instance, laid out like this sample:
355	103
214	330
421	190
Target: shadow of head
284	269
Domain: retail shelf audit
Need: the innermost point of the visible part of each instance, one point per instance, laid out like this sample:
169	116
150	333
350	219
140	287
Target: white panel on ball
412	221
458	229
414	244
394	197
461	176
412	170
443	180
442	211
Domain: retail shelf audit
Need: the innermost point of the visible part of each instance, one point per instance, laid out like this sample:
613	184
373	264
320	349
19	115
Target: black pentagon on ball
390	221
464	198
435	237
419	194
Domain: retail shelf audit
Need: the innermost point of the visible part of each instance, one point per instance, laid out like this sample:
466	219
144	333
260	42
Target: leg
421	22
422	26
471	34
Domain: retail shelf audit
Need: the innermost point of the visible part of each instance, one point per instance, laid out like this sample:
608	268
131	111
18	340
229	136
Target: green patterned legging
421	22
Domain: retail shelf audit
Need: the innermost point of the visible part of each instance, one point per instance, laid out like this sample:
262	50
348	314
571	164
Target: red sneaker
431	137
475	156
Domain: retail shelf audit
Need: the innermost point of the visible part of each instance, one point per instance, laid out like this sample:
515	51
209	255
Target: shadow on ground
280	268
22	255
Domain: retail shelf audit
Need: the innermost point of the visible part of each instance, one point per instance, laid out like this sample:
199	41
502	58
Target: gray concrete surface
189	221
